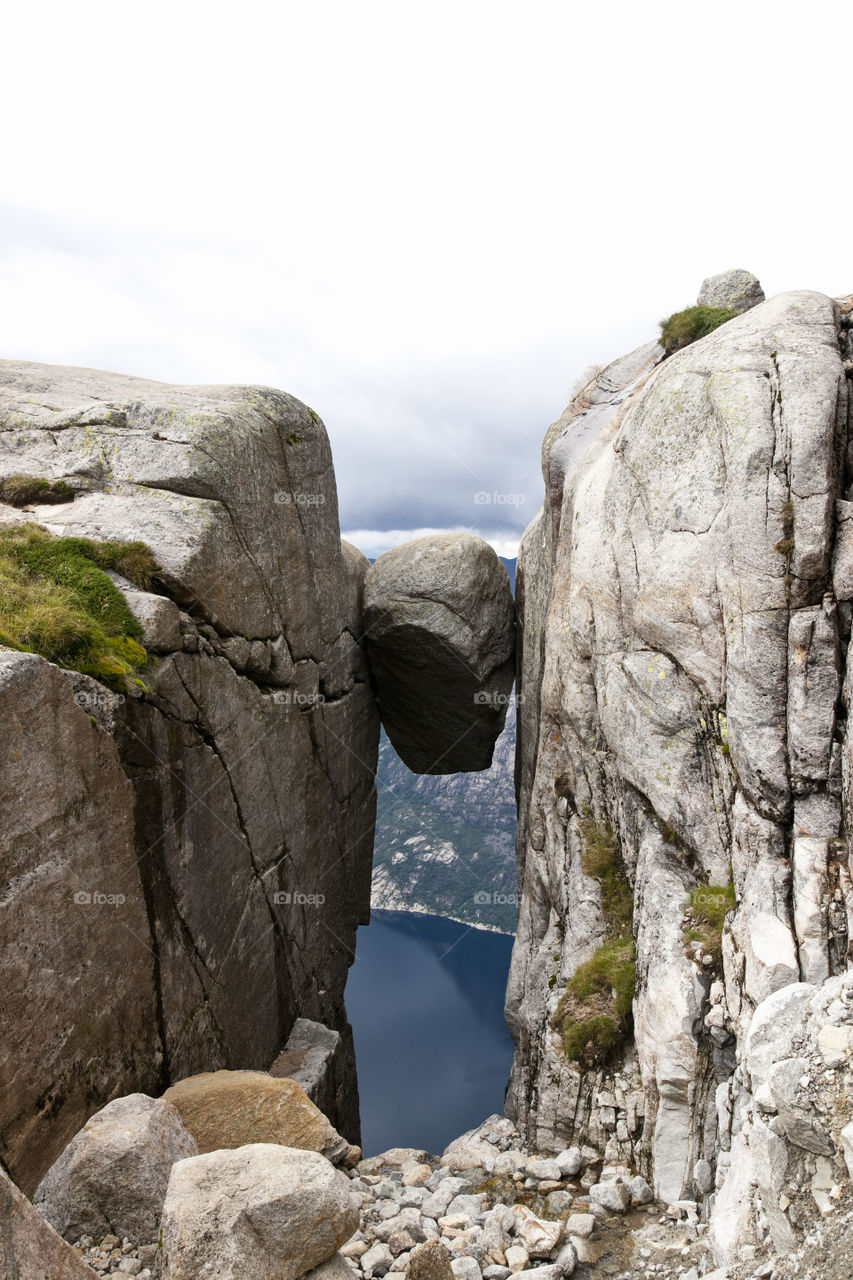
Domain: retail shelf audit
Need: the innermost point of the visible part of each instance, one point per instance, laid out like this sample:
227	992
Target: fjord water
425	999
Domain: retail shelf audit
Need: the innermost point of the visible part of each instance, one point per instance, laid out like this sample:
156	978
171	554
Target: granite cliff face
186	862
186	868
684	604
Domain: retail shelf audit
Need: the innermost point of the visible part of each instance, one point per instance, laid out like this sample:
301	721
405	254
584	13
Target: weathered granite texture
439	622
685	600
233	803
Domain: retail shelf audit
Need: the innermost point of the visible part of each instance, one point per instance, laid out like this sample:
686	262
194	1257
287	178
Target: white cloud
423	220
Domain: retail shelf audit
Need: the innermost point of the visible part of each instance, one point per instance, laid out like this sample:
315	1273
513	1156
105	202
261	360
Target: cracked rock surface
234	802
685	600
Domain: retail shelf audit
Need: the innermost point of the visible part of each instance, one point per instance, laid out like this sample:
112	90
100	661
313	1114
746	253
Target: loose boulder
260	1212
735	290
440	628
112	1177
226	1109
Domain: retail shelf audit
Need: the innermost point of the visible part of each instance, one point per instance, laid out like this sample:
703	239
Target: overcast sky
423	219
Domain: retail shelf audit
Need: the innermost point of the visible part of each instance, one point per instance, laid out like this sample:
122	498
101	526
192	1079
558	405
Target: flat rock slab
440	629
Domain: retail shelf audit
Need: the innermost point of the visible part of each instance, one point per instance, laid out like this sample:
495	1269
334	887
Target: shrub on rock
684	327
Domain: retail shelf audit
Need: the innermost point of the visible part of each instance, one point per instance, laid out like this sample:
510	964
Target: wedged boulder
30	1249
226	1109
112	1177
260	1212
440	628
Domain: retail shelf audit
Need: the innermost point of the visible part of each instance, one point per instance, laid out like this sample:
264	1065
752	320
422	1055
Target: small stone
641	1192
377	1260
558	1202
567	1259
430	1262
471	1206
549	1170
466	1268
454	1221
580	1224
401	1242
130	1266
613	1196
516	1258
570	1162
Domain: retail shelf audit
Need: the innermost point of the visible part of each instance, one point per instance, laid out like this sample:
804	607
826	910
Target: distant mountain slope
446	844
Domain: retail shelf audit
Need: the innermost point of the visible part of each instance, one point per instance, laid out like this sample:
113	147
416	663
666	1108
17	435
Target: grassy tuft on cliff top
56	600
684	327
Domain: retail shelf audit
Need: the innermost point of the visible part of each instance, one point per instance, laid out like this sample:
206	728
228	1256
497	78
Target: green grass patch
56	600
706	916
21	490
594	1013
601	859
684	327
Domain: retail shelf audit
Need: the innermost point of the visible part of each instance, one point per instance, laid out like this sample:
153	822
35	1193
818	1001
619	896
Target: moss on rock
57	600
594	1013
684	327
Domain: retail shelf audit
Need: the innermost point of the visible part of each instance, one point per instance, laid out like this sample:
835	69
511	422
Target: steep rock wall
684	605
243	779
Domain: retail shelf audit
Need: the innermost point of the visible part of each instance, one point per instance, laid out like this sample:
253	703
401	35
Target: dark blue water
425	998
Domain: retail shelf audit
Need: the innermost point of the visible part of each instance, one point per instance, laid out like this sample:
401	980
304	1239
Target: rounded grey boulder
254	1213
440	628
112	1177
735	290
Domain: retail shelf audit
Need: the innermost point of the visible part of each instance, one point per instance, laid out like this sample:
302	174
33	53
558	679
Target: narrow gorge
187	835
